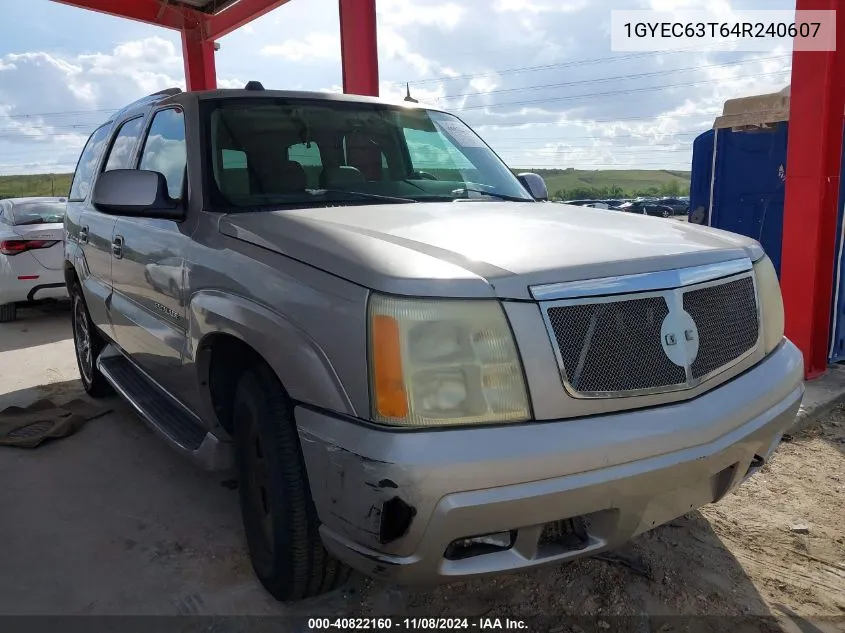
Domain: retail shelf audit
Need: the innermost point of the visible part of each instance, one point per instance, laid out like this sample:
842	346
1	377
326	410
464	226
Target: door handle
117	247
83	234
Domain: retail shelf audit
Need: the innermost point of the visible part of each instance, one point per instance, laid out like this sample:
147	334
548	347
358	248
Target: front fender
298	360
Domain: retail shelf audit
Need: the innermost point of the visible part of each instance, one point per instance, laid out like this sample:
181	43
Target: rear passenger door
148	304
91	258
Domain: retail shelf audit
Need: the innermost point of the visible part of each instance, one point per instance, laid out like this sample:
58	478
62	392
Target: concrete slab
109	521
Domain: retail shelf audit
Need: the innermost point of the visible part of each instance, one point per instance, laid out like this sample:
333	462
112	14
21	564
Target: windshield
275	152
38	213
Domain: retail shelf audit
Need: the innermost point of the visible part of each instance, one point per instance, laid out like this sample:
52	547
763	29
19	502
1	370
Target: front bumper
391	502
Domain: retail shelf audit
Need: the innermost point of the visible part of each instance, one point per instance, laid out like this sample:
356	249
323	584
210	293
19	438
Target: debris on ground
799	528
29	427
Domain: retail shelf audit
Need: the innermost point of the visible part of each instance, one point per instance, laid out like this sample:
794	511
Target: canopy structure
815	107
202	22
813	161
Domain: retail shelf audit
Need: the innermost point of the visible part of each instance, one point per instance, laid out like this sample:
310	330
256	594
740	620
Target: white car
31	252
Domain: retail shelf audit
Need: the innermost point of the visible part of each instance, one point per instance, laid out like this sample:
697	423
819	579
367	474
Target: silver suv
418	368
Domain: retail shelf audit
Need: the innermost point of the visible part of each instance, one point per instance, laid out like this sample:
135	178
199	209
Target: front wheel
279	516
88	343
665	213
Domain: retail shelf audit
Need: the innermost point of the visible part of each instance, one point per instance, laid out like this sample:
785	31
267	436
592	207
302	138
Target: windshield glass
38	213
272	152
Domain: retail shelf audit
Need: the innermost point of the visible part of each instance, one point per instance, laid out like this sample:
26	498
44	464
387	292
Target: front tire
88	343
279	516
8	312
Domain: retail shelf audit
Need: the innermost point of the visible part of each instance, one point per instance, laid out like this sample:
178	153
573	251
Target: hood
481	249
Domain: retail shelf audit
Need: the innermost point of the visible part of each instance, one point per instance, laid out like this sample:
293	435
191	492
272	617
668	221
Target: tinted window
120	156
164	149
38	213
87	164
266	152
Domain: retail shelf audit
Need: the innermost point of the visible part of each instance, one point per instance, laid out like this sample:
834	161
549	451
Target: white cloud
313	46
522	72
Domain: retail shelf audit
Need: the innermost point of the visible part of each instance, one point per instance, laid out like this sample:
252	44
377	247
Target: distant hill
575	184
564	184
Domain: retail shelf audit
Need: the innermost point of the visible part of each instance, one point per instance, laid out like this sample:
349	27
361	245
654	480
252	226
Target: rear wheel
665	213
88	343
8	312
280	520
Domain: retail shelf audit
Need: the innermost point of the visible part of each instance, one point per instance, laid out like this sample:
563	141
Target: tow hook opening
396	517
756	464
478	545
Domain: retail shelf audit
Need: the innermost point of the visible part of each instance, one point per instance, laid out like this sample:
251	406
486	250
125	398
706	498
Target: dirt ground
145	533
744	556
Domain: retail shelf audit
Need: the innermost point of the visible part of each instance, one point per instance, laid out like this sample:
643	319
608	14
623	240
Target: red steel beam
149	11
198	57
817	100
359	46
238	14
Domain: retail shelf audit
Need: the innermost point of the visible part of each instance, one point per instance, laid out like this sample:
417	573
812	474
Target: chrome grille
614	346
621	344
726	317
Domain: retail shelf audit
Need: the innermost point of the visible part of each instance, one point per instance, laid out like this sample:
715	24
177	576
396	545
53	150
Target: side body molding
299	362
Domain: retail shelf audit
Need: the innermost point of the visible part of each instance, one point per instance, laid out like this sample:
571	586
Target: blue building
737	184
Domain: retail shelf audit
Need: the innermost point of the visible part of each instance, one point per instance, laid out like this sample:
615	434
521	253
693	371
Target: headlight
437	362
771	303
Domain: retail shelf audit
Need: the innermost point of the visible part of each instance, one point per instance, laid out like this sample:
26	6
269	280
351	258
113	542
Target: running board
169	419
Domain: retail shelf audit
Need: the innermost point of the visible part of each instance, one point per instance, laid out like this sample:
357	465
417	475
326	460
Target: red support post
817	104
198	57
359	46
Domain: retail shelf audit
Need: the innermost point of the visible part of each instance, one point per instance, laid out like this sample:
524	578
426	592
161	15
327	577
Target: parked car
595	204
647	208
678	205
416	375
31	253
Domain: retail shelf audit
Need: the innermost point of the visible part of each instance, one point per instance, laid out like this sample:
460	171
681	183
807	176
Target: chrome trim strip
642	282
671	295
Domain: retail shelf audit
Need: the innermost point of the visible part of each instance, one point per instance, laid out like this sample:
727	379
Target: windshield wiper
370	196
492	194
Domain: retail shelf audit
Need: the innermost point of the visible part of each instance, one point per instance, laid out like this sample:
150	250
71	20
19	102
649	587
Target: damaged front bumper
429	506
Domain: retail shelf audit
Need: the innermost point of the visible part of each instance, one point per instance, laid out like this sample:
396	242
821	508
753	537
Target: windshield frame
217	201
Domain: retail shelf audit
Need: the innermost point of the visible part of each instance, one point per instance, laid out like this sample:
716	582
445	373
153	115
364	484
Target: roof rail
168	92
152	98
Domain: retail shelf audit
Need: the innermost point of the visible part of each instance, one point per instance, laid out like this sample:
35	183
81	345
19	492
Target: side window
310	159
164	149
81	183
120	155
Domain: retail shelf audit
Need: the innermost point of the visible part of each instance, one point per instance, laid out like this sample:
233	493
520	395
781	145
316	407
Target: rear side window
120	156
87	164
164	149
38	213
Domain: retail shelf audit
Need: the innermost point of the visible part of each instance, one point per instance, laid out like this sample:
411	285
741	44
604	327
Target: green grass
34	185
565	184
572	184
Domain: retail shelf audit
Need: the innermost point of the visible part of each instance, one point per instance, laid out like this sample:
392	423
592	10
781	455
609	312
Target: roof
759	111
178	97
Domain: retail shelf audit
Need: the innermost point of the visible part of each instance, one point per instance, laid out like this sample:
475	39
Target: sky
537	79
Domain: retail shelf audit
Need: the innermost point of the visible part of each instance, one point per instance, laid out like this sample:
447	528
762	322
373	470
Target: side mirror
137	193
535	184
